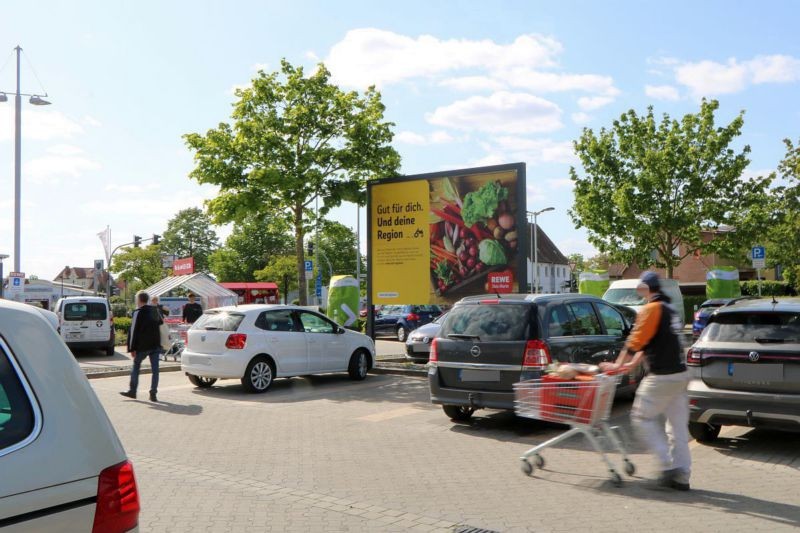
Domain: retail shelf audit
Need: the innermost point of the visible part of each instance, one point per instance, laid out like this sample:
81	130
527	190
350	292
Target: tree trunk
300	253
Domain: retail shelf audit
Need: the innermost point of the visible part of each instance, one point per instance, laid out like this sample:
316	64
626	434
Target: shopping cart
584	404
177	336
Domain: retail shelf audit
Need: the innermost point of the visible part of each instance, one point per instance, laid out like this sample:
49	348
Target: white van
85	322
623	292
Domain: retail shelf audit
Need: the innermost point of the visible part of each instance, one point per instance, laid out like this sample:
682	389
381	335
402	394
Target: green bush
119	310
122	324
120	338
688	306
768	288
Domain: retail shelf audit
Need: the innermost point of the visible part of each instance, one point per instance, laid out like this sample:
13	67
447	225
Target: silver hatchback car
745	369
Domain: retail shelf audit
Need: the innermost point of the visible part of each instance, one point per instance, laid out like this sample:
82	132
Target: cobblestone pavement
328	454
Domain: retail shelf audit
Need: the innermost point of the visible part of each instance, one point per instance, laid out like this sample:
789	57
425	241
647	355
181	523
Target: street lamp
2	277
535	246
37	100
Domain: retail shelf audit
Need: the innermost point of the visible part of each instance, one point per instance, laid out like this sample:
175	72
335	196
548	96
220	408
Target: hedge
122	324
768	288
688	306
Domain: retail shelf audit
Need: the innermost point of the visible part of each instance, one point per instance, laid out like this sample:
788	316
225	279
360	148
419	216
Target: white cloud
590	103
709	78
39	124
564	183
260	66
473	84
537	81
662	92
49	169
537	150
502	112
131	189
91	121
368	56
581	118
64	150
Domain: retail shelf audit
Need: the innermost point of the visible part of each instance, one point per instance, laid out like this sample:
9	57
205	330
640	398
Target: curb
383	369
118	373
378	369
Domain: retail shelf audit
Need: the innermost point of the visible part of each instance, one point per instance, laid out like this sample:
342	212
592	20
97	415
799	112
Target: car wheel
459	413
110	350
704	432
359	365
401	334
259	375
200	381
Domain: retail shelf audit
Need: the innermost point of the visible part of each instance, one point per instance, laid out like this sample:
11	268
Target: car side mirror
341	330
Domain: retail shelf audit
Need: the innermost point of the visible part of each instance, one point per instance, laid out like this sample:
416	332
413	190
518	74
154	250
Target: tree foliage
294	139
139	267
250	246
189	234
784	233
337	244
650	188
277	270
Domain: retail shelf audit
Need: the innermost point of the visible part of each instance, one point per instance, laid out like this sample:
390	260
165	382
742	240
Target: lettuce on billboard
436	238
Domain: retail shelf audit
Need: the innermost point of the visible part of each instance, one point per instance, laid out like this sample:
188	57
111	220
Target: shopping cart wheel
616	479
630	468
527	468
538	461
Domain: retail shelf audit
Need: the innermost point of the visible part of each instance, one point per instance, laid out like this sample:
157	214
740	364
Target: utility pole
17	169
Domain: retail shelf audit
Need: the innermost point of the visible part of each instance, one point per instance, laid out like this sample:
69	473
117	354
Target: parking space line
388	415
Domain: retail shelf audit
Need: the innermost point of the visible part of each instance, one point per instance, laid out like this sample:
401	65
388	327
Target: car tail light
236	341
490	302
697	315
537	355
117	500
412	317
434	355
694	357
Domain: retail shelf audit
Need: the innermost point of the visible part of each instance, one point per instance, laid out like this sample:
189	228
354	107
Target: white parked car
62	466
258	343
86	323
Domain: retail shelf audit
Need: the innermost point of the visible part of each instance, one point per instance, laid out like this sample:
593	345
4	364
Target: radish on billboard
183	266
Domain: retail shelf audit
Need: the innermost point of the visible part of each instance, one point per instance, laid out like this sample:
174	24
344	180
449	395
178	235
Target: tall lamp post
35	99
535	246
2	276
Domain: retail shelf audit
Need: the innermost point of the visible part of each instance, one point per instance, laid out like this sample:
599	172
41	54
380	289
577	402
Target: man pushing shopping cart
662	392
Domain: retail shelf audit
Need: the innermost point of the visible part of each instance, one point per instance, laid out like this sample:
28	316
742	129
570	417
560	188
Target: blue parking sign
319	285
309	266
758	252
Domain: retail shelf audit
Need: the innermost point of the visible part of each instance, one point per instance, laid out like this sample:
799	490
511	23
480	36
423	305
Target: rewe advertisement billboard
436	238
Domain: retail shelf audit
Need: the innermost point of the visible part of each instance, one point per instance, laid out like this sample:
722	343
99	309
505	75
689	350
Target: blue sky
467	83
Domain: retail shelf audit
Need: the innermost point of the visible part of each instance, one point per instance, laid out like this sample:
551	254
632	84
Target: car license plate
759	372
479	375
75	335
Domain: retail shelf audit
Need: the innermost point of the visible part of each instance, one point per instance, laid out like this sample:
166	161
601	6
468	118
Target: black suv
488	343
745	369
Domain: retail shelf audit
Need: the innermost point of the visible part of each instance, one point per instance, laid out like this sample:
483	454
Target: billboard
436	238
183	266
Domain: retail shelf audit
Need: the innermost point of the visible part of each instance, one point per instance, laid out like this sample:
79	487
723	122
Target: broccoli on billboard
436	238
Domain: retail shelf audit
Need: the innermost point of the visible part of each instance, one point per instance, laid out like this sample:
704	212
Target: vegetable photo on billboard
473	232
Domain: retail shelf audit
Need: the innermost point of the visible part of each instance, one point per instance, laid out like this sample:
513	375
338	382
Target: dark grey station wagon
488	343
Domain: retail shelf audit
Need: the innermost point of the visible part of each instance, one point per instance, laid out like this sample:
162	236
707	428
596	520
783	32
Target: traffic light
310	247
156	238
136	241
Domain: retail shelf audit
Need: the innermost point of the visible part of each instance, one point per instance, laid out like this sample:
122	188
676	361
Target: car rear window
502	322
85	311
623	297
17	419
434	309
218	321
754	327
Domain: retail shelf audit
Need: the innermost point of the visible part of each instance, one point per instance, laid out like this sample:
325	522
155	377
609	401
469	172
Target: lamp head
3	97
38	100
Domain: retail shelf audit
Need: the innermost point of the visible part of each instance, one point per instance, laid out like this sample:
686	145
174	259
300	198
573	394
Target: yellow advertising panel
436	238
399	238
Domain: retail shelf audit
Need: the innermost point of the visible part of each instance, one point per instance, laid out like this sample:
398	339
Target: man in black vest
144	341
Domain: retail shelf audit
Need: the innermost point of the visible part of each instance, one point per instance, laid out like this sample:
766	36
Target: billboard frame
521	220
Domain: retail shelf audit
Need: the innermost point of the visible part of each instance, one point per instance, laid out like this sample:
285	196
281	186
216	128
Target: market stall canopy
250	285
210	292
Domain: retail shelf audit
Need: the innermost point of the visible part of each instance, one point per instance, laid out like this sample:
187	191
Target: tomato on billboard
436	238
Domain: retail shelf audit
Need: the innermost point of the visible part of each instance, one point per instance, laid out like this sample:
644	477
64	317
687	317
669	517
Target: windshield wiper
465	337
766	340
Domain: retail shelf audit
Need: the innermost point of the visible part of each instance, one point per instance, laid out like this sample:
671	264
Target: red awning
250	285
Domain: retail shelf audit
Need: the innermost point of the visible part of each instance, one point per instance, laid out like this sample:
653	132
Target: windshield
623	297
219	321
753	327
85	311
487	322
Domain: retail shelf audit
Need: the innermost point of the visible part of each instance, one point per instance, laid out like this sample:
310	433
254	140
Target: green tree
140	267
784	233
189	234
337	244
649	189
248	248
294	139
278	269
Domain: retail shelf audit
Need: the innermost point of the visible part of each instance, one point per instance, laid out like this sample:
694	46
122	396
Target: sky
466	84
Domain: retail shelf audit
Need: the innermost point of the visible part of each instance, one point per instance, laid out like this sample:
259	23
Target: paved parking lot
328	454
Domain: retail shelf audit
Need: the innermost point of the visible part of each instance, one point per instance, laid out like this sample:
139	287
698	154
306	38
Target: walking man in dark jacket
144	341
